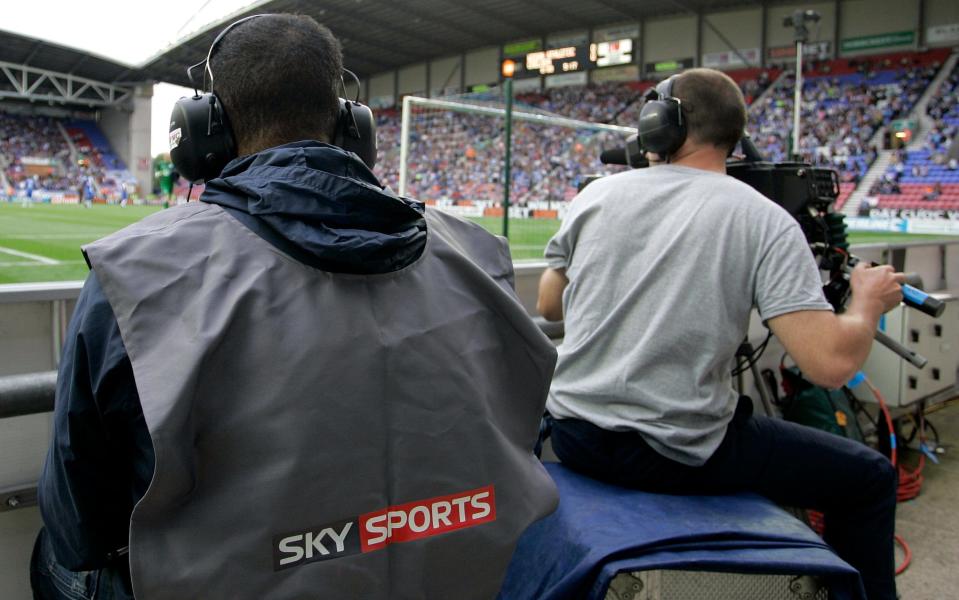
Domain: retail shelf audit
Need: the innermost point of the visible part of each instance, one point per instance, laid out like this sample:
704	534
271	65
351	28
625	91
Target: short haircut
278	77
713	107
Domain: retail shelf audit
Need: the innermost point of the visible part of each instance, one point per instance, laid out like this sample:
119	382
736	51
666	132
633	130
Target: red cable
910	482
907	560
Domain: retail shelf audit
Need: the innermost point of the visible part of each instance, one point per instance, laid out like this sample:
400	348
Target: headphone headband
217	39
209	53
202	142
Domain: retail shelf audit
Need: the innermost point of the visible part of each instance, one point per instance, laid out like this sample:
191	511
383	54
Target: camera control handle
911	296
922	301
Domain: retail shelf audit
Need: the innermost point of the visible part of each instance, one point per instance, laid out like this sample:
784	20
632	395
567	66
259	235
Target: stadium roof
377	35
380	35
49	56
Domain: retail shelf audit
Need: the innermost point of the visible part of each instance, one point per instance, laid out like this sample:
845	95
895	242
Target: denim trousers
851	484
52	581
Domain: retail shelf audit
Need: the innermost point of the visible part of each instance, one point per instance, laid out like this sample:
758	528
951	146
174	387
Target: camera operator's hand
879	287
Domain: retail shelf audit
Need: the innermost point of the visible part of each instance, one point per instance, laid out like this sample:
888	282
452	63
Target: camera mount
799	20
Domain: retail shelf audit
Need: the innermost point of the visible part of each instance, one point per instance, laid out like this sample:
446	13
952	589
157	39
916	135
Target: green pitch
528	237
42	242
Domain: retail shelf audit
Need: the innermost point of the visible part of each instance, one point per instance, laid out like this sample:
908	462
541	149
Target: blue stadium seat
601	530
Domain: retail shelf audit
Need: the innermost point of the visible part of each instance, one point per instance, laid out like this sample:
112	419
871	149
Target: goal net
451	155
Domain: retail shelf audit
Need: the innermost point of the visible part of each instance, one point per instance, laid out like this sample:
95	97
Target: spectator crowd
36	156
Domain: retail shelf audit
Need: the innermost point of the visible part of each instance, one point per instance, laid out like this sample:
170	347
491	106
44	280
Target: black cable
749	361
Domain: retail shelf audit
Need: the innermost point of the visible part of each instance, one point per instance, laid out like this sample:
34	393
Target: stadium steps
4	183
111	162
761	99
69	140
878	168
919	110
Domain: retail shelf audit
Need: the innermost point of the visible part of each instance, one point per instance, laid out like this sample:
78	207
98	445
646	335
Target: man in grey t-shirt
656	272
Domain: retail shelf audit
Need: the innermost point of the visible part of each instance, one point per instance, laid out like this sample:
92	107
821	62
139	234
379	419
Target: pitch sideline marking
33	265
27	255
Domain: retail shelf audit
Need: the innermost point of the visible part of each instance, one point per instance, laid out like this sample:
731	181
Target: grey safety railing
33	393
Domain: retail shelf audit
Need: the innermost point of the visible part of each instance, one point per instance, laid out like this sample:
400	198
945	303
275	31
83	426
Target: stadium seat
599	531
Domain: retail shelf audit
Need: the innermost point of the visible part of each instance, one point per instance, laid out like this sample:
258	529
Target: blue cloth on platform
600	530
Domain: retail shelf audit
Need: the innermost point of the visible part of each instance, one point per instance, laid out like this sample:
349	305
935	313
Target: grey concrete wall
942	12
381	89
777	35
743	28
669	38
412	80
444	74
872	17
128	130
939	14
140	162
115	124
482	66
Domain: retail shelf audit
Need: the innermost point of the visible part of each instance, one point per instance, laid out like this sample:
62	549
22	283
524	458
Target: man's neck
705	158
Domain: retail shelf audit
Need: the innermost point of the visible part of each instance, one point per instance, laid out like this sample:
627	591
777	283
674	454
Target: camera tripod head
799	21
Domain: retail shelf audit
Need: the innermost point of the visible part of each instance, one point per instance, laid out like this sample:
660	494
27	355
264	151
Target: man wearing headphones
300	386
656	272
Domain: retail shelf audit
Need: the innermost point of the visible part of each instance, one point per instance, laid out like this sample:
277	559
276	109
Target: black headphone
202	142
662	128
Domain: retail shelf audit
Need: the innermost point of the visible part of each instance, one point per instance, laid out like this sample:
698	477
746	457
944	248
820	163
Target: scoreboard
569	59
571	54
608	54
558	60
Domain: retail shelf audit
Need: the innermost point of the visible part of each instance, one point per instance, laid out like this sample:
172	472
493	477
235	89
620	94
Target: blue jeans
52	581
853	485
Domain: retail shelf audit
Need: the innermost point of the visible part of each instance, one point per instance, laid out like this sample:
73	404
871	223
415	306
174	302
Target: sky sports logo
378	529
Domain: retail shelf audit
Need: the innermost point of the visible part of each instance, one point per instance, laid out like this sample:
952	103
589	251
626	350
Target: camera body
805	192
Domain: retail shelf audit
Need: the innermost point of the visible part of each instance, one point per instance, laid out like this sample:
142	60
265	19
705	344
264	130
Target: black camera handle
911	296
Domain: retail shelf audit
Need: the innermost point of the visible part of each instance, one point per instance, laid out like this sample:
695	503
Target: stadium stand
462	153
927	178
57	157
845	103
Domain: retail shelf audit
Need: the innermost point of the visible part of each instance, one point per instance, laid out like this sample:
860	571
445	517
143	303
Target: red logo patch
425	518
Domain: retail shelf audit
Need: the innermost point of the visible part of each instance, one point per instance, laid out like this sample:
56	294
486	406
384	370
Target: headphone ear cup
201	141
661	127
356	131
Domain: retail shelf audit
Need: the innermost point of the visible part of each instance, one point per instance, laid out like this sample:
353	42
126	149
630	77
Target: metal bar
23	85
404	142
36	84
797	101
13	80
507	161
28	394
520	116
18	498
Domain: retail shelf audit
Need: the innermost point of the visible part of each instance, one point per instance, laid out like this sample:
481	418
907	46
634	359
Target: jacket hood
324	204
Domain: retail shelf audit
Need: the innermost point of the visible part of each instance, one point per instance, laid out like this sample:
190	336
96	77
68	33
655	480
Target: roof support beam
555	11
359	23
67	89
520	31
477	33
625	9
33	52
